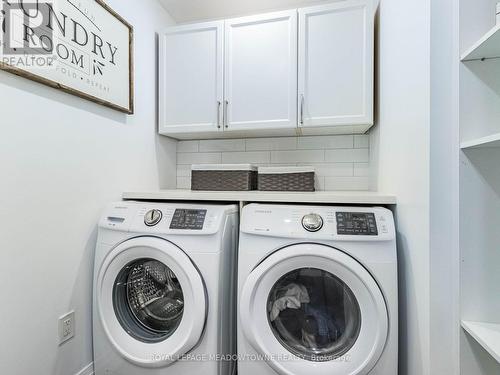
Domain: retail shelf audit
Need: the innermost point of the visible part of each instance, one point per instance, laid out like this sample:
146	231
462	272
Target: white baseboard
87	370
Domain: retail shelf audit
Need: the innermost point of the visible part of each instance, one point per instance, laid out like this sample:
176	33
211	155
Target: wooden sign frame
128	110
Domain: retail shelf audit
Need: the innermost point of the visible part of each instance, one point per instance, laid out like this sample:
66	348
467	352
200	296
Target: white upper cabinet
278	74
191	79
261	72
336	63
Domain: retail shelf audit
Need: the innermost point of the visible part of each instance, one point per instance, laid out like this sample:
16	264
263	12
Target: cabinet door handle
302	109
225	113
218	114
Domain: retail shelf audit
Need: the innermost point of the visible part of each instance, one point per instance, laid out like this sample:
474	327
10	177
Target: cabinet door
191	78
336	44
261	72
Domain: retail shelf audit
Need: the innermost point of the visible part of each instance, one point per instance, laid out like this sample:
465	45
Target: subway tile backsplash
342	162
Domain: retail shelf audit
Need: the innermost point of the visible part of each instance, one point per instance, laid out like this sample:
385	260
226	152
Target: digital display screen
356	224
188	219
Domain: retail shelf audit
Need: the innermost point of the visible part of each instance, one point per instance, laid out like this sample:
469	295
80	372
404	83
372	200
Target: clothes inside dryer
314	314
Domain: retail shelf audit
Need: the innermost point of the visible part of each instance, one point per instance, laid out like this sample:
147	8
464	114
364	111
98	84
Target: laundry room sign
81	47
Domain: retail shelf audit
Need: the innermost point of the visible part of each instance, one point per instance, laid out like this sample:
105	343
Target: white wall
444	257
341	162
61	160
195	10
400	148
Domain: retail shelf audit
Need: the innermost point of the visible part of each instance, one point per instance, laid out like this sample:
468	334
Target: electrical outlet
66	327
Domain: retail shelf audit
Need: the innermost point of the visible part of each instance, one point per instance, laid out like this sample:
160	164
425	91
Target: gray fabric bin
286	179
223	177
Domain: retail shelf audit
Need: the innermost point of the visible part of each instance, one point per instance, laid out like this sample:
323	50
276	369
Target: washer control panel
145	218
356	224
188	219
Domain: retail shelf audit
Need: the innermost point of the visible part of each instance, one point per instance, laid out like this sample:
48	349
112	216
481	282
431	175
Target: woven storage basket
223	177
286	179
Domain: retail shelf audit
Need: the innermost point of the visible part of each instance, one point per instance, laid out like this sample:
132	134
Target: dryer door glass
148	300
314	315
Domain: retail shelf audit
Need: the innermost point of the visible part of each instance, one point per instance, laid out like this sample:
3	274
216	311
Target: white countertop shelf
327	197
491	141
487	335
488	47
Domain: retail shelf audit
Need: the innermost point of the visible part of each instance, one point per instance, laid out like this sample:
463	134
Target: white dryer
317	291
163	294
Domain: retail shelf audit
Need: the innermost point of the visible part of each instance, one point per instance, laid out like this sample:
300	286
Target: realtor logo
25	39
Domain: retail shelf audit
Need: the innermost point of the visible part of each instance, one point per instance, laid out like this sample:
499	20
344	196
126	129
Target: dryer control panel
339	223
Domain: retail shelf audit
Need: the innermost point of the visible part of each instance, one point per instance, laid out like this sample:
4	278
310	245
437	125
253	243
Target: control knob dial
312	222
152	217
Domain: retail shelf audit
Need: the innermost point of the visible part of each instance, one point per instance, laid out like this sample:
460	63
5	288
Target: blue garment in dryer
327	327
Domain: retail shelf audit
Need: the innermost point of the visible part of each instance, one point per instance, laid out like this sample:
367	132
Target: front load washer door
310	309
152	301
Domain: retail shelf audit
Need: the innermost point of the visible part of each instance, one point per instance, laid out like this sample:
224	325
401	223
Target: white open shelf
488	47
487	335
484	142
329	197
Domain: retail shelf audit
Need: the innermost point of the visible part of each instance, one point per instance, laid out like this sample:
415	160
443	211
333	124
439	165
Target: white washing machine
164	301
317	291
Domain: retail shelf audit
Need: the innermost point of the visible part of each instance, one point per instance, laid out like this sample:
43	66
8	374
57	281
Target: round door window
314	315
148	300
